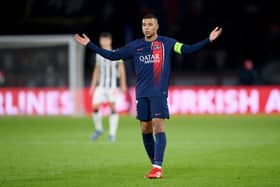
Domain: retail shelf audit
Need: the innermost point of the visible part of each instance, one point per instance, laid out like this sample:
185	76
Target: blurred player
152	61
106	74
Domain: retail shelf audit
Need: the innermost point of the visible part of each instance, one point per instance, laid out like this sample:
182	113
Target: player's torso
152	66
109	74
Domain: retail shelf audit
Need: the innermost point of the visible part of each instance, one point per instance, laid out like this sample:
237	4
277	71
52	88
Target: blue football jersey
152	62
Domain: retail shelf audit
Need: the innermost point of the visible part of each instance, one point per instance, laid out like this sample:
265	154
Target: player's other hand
83	40
215	34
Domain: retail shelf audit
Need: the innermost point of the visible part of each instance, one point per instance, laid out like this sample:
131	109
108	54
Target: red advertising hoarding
24	101
181	100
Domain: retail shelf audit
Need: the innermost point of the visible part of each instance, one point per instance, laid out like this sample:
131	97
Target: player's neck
152	38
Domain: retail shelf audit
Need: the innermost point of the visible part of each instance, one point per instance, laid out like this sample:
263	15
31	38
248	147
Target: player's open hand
83	40
215	34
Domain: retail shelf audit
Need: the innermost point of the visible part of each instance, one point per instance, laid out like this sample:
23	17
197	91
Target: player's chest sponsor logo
150	58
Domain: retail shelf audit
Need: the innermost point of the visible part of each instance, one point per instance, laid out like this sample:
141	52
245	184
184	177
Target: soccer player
152	61
106	73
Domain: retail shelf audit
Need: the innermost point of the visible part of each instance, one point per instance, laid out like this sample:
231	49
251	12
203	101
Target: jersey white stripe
102	74
107	83
114	75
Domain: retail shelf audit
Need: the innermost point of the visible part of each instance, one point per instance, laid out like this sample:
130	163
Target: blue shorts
152	107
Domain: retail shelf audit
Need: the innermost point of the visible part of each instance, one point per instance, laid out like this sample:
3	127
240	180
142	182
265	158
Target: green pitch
201	151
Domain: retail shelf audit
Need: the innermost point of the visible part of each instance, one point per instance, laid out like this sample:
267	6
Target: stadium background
251	35
251	31
203	150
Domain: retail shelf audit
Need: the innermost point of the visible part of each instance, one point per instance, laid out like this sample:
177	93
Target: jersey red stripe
157	48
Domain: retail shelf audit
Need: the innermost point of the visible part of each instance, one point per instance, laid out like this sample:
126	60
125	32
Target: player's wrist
89	43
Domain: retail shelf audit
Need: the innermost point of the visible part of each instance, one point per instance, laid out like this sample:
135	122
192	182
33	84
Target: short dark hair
150	16
105	35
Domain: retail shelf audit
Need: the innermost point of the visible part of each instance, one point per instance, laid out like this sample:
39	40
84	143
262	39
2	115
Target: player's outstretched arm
85	41
187	49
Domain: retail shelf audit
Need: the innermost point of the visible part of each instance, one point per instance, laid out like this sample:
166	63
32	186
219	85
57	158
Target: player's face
105	42
149	27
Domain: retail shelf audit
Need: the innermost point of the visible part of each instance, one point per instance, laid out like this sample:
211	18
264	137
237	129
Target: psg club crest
156	46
